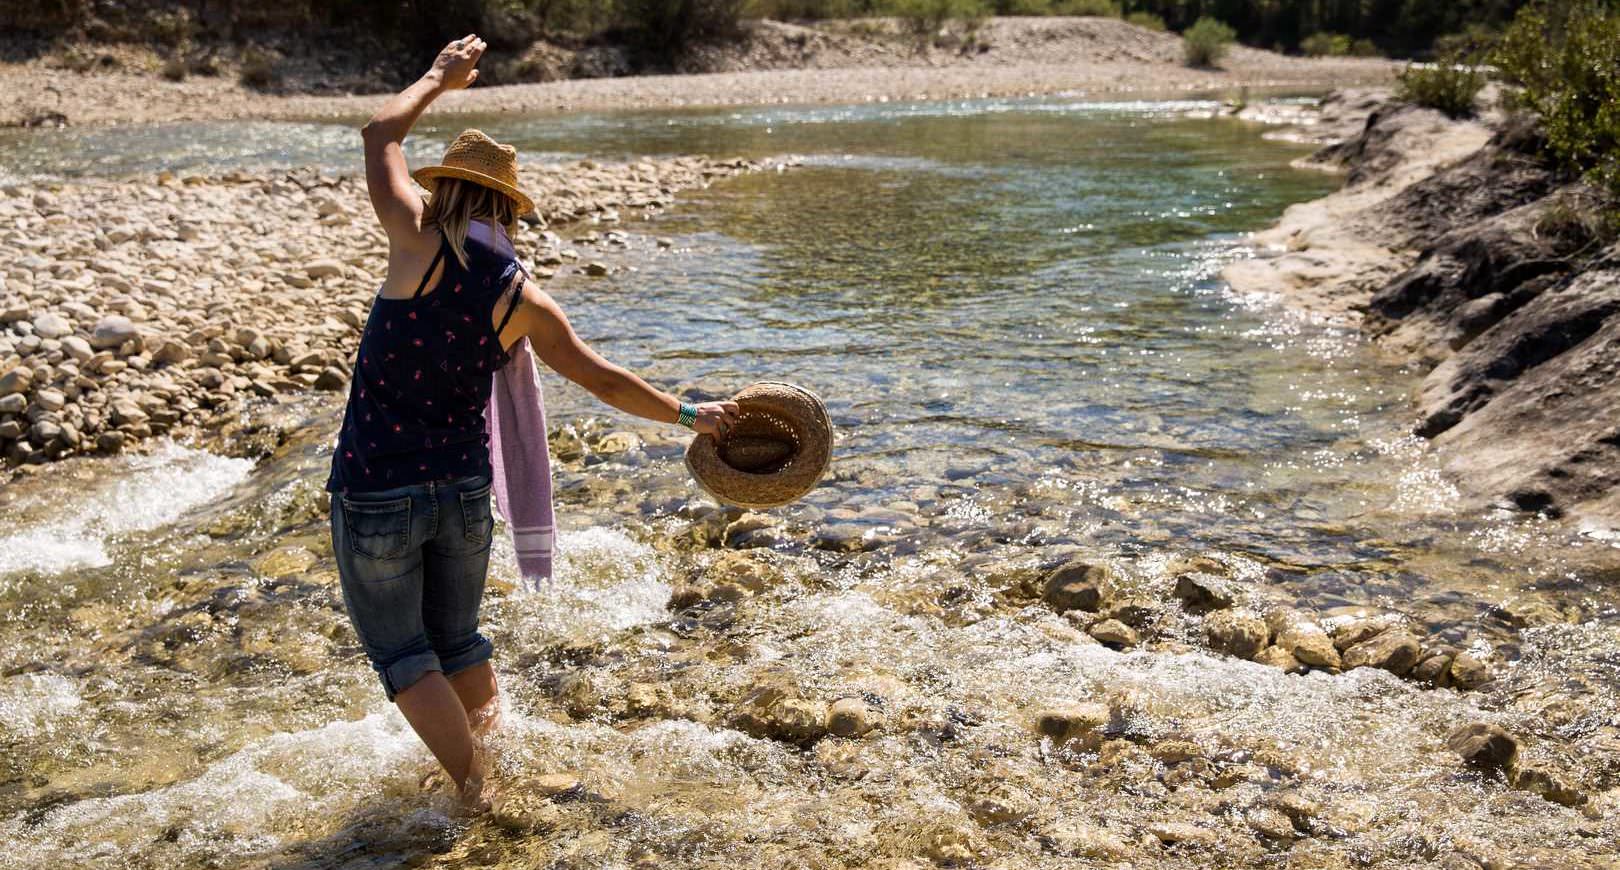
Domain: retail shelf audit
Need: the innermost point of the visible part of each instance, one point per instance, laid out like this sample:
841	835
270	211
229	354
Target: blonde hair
455	203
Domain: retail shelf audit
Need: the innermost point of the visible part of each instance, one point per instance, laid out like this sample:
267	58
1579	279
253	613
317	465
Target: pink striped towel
522	463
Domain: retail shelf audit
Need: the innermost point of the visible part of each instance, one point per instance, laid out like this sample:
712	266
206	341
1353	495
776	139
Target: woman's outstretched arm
555	342
388	180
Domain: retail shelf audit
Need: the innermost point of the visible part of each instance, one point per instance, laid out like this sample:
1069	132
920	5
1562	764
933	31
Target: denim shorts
412	561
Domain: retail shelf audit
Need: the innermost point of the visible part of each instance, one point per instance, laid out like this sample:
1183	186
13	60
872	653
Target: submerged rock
849	717
1075	585
1394	651
1281	659
1484	746
1112	632
1073	721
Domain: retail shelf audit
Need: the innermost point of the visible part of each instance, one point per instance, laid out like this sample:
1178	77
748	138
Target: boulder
1305	639
1468	672
1200	591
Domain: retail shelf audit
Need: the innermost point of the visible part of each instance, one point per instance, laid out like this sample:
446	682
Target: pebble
52	325
111	332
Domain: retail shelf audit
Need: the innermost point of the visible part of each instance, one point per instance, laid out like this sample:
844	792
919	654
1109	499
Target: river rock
1395	651
1113	633
1271	824
1083	721
1306	640
111	332
13	403
849	717
52	325
1360	631
1280	658
18	380
323	268
1540	779
596	268
1434	670
1237	632
1001	806
331	379
110	442
1200	591
1468	672
77	348
1074	585
1484	745
50	399
1176	833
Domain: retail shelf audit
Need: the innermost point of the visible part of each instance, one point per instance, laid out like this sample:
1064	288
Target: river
1011	309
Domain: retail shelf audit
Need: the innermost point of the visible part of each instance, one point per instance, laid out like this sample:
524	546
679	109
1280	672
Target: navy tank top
423	373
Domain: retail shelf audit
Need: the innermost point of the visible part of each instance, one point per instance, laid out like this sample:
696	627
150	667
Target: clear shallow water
1012	312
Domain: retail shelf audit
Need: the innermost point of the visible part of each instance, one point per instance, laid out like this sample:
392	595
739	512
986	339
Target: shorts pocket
478	525
378	529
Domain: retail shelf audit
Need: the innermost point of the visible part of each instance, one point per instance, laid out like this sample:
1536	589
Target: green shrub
928	17
1325	44
1098	8
1146	19
1364	48
1567	61
258	67
1206	42
667	27
174	68
1451	85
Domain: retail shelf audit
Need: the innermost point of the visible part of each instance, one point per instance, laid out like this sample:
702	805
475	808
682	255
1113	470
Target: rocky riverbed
1457	246
165	305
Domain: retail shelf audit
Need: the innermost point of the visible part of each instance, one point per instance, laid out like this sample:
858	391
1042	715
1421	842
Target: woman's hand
456	66
715	418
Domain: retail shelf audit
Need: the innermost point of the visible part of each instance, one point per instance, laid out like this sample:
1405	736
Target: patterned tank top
423	372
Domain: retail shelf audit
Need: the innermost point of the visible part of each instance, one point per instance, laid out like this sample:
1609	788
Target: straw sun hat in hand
777	451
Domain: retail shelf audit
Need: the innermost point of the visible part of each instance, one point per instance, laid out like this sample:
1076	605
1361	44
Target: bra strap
437	256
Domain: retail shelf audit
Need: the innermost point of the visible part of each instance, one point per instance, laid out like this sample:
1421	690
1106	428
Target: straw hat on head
477	158
776	452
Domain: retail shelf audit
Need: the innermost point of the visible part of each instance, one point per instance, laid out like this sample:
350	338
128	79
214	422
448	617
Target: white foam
149	491
32	705
242	804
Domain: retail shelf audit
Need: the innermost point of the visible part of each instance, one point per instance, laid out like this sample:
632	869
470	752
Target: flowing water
1012	311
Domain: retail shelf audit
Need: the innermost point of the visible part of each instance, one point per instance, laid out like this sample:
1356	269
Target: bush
928	17
258	67
668	27
1364	48
1146	19
1325	44
174	69
1565	60
1206	42
1478	40
1450	86
1098	8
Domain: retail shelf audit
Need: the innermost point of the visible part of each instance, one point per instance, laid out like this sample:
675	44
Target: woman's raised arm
388	180
539	317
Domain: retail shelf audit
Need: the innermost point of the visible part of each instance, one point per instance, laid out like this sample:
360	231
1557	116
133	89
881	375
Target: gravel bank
130	309
1091	56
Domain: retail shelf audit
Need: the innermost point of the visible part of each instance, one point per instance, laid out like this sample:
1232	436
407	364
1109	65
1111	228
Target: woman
410	477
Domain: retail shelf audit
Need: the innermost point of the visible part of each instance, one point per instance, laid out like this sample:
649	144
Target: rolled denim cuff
475	652
402	673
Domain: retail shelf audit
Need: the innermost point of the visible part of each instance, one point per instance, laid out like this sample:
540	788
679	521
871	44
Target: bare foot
475	791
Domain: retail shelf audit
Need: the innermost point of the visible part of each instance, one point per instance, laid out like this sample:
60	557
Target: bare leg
435	713
479	696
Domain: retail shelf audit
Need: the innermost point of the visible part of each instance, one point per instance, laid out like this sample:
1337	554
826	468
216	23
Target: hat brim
427	175
767	410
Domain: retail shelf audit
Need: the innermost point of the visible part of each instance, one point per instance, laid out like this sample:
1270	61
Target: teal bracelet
688	416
